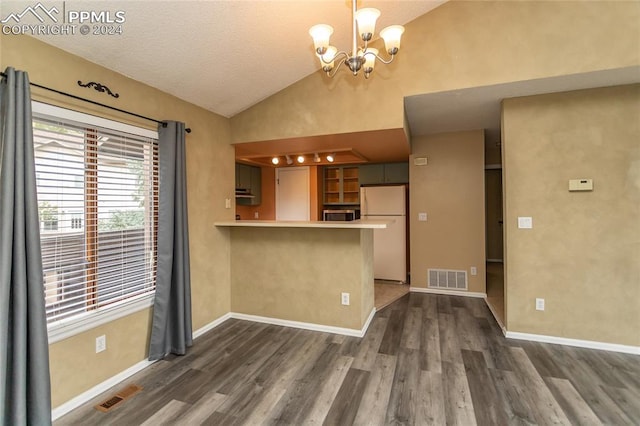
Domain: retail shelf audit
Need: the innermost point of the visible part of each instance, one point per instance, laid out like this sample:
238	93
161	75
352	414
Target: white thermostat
420	161
581	185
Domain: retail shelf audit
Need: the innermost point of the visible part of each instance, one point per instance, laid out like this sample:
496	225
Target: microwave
340	215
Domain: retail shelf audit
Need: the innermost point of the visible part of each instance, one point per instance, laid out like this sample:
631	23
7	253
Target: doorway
292	193
494	242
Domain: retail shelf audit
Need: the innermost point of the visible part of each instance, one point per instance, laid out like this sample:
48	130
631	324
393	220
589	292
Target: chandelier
361	57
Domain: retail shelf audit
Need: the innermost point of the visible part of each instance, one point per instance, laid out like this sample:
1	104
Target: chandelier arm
343	53
392	57
333	72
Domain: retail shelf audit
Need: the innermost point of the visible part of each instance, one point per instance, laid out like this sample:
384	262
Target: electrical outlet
345	299
474	270
422	217
256	215
101	343
525	222
539	304
227	203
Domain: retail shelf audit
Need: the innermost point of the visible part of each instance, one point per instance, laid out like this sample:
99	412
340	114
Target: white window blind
97	201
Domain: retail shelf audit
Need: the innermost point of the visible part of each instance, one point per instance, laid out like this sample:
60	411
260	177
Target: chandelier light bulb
321	34
327	59
366	19
369	61
391	36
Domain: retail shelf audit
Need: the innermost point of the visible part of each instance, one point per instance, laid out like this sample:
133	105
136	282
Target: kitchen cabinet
373	174
248	185
341	185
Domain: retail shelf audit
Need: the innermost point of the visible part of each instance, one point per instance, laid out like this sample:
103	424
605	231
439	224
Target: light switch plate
525	222
422	217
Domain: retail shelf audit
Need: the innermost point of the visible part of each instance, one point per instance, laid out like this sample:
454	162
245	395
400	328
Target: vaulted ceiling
222	55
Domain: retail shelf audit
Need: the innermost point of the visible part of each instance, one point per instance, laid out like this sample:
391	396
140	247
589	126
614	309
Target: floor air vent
447	279
118	398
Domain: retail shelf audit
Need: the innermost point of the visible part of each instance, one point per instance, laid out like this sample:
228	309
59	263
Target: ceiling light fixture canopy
363	57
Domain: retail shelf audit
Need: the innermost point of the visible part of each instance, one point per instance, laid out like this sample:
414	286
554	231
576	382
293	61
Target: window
98	203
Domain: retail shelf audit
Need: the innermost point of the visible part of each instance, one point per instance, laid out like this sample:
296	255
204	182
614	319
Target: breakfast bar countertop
354	224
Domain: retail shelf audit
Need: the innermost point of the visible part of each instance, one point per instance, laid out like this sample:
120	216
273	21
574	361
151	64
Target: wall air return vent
447	279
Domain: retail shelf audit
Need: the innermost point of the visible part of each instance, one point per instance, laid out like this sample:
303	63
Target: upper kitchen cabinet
372	174
341	185
248	185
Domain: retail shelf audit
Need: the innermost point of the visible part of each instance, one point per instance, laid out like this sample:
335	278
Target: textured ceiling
224	56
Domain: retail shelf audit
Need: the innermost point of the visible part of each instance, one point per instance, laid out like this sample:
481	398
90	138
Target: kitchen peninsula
295	273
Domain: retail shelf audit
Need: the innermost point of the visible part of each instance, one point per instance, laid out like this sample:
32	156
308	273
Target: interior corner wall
450	190
73	361
460	44
583	253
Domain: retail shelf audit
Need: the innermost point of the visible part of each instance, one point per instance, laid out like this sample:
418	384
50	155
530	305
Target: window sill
68	328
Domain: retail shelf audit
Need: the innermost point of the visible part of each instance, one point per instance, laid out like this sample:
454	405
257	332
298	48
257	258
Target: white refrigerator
390	244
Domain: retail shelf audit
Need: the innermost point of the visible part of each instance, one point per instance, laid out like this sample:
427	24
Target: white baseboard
448	292
88	395
307	325
496	317
589	344
213	324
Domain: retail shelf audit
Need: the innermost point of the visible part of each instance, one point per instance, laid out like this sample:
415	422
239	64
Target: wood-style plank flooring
426	359
385	293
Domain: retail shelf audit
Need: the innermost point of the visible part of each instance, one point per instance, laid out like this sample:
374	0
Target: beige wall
298	274
583	254
450	189
460	44
73	360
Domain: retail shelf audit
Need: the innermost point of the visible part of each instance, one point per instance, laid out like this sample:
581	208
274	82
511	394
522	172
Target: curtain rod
164	124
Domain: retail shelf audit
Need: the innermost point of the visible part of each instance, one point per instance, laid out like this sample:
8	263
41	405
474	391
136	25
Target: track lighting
316	158
300	159
331	158
275	161
289	160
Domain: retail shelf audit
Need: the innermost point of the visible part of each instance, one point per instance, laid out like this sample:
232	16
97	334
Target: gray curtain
171	329
25	390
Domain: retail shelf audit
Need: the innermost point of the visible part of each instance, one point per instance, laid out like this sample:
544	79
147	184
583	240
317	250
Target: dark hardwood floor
426	359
